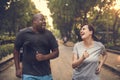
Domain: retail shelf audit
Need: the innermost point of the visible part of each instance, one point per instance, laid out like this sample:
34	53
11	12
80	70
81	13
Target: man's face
40	23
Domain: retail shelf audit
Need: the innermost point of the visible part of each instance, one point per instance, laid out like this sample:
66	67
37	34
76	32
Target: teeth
82	34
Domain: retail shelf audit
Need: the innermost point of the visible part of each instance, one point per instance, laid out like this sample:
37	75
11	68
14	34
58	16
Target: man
39	46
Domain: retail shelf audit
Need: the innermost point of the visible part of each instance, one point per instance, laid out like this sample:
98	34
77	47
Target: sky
42	6
117	6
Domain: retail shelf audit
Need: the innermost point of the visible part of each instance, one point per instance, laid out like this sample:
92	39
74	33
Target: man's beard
41	29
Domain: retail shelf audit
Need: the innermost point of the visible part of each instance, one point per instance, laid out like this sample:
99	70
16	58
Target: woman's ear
91	32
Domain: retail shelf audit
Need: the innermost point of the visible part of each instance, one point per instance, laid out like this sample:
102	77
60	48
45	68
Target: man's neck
36	31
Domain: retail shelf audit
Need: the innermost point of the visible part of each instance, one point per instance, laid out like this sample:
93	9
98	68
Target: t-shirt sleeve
18	41
53	41
75	51
103	49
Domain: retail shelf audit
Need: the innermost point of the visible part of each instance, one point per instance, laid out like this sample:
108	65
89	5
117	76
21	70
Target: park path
61	67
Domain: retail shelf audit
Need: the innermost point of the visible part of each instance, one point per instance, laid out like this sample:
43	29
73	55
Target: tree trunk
114	28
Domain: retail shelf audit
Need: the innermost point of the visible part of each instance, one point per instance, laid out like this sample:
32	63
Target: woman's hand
85	55
98	70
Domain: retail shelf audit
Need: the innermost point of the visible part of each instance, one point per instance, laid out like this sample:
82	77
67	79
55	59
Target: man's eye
40	21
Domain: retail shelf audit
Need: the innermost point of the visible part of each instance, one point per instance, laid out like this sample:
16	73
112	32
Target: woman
86	56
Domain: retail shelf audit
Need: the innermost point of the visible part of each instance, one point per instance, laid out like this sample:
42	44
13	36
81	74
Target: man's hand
40	57
19	73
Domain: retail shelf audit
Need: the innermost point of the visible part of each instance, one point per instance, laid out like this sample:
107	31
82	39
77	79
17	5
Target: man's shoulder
25	29
48	32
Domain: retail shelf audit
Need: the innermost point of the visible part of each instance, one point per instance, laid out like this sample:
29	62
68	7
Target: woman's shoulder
99	43
78	43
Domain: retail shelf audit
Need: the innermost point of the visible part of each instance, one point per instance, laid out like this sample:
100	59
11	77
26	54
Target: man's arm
54	54
17	63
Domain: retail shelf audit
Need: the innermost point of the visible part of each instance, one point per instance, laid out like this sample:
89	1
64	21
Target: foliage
17	16
62	15
67	13
6	39
3	5
6	50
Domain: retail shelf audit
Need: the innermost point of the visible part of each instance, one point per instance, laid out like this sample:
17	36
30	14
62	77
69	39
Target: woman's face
85	32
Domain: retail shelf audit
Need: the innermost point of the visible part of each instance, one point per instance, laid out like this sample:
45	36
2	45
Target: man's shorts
31	77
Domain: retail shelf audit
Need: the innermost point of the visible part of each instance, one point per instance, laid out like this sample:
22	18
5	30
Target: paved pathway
113	62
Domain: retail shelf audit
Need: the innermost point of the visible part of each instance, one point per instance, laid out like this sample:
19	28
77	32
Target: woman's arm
102	61
77	61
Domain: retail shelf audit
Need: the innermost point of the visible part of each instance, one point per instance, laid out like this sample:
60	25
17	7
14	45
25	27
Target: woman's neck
88	42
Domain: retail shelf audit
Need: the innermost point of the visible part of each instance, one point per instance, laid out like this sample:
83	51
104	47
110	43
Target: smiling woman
41	5
86	55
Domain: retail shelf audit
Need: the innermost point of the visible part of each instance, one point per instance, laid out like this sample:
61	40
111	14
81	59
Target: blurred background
64	18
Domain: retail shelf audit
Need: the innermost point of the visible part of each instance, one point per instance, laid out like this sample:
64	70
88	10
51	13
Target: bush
6	50
6	39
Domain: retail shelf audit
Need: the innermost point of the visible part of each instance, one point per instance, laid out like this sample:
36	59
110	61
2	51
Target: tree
18	15
115	27
96	12
4	4
62	15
